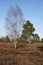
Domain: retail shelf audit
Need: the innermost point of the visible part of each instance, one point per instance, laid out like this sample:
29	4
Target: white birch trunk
15	44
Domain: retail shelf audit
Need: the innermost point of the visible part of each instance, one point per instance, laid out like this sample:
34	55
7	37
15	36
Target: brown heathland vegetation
31	54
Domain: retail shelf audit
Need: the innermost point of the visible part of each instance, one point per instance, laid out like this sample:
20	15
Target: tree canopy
14	22
28	31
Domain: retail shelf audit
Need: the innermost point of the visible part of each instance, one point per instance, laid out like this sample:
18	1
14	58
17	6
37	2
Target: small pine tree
27	32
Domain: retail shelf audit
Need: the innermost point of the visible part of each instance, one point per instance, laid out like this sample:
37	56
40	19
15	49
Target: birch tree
14	23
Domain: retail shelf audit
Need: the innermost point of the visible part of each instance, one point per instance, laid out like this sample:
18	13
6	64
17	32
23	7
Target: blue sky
32	10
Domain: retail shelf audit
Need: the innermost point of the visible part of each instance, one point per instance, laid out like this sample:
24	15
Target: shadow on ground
40	48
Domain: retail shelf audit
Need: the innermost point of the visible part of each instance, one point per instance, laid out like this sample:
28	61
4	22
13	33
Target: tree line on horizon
18	30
